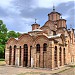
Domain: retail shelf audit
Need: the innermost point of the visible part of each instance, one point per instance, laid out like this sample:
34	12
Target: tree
3	38
13	34
18	34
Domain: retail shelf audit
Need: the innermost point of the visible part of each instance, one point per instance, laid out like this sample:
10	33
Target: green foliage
2	51
73	65
2	59
18	34
4	36
1	22
13	34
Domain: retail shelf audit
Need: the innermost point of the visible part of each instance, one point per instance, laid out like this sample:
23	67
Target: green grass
1	59
2	62
73	66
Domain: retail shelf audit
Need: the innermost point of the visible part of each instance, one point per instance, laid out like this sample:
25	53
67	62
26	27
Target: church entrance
64	56
55	56
14	55
25	55
10	54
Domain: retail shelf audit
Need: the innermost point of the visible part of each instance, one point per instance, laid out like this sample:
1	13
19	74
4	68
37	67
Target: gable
12	41
50	24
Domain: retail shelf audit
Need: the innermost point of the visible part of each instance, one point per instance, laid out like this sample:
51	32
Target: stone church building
49	46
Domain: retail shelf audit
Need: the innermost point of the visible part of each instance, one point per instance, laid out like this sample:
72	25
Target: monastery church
49	46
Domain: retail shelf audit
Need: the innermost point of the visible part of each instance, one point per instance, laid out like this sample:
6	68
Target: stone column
17	57
34	59
48	54
66	54
58	62
33	56
52	54
12	56
41	57
29	56
7	55
18	50
50	49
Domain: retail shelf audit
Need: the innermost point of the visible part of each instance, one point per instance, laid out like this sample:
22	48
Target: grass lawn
2	62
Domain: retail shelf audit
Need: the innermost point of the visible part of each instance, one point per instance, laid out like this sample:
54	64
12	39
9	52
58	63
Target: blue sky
19	15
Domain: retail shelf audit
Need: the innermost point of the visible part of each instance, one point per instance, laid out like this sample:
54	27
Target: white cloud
9	8
49	3
5	3
28	19
15	21
18	24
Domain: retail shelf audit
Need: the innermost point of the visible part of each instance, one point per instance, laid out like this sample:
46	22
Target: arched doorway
55	56
64	56
14	55
20	56
25	55
44	51
60	55
10	54
38	48
38	55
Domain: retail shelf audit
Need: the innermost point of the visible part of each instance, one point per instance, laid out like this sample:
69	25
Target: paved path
7	70
68	72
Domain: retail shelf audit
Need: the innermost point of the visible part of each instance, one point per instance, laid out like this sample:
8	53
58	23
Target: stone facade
49	46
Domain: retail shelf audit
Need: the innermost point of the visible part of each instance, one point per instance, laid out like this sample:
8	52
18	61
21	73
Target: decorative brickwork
49	46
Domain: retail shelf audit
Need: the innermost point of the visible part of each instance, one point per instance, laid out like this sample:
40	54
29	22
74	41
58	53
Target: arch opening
25	55
10	54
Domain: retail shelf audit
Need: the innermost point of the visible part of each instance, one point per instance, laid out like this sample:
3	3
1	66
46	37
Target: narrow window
10	54
44	47
20	57
14	55
25	55
64	55
38	48
55	56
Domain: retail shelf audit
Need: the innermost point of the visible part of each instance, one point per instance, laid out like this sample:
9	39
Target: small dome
35	26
